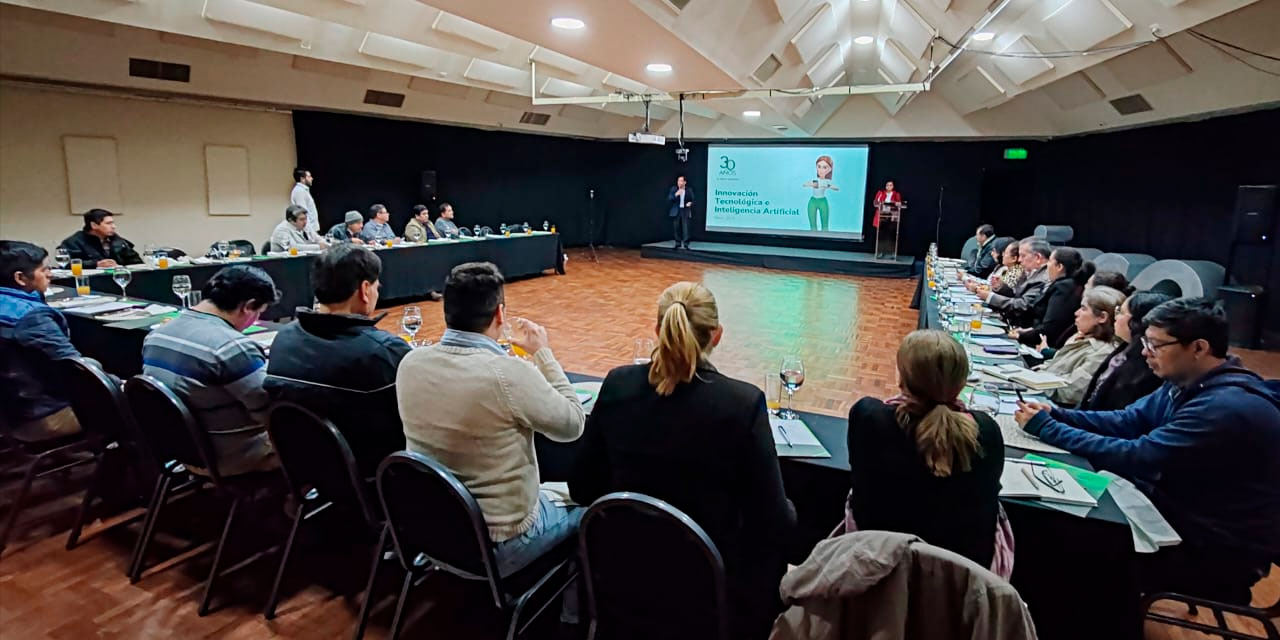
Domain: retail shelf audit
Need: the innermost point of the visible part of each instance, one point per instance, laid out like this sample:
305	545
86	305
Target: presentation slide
812	191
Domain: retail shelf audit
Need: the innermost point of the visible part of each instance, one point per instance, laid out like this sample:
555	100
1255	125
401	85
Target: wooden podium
887	231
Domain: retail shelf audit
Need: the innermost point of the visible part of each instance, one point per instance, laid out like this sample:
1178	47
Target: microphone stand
937	232
591	224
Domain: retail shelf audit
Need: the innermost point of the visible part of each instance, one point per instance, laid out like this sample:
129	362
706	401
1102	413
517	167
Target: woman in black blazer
923	465
680	431
1055	311
1124	376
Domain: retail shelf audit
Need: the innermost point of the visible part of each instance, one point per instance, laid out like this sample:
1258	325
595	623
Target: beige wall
160	155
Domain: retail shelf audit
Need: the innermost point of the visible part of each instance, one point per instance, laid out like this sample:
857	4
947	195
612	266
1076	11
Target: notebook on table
1039	481
1038	380
794	439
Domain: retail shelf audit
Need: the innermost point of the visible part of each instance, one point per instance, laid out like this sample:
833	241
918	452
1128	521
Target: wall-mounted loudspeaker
1255	213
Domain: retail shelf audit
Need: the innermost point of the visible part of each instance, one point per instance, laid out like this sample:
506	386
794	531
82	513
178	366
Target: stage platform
823	261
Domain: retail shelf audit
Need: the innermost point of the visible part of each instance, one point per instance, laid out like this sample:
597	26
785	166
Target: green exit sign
1015	153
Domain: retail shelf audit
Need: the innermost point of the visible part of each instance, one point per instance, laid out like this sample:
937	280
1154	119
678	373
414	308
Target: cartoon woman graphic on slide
818	201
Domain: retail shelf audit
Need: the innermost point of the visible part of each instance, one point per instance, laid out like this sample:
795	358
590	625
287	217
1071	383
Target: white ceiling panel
565	89
560	61
897	62
973	89
403	51
816	35
1073	91
1153	64
468	30
942	5
787	8
1020	70
260	17
910	30
494	73
803	108
827	67
1081	24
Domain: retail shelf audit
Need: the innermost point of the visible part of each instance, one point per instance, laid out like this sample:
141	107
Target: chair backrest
315	457
650	568
98	403
434	518
171	432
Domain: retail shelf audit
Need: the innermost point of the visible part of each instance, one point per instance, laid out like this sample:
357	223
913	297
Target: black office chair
169	421
651	571
437	525
322	474
41	453
107	423
1262	615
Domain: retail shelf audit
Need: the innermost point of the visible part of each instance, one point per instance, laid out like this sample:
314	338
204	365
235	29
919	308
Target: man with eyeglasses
1205	447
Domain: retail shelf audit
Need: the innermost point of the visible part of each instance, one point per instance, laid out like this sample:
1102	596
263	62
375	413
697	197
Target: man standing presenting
301	196
680	198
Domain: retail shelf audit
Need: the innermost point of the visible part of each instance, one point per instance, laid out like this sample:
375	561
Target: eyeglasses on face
1156	346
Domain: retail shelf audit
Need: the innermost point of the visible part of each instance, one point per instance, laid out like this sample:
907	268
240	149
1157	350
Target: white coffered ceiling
468	61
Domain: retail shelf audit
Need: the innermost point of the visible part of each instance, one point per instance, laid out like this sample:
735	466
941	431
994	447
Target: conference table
408	270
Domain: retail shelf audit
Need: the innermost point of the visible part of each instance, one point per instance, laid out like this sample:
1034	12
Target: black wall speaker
1255	214
427	186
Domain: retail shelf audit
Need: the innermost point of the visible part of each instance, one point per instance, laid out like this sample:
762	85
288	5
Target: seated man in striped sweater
203	356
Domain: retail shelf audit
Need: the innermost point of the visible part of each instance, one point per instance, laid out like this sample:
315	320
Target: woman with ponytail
1053	313
923	464
680	431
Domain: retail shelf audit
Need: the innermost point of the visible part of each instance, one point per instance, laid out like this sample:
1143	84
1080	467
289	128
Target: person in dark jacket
98	245
651	430
1052	316
337	363
1018	306
34	340
1205	447
1124	376
984	262
920	463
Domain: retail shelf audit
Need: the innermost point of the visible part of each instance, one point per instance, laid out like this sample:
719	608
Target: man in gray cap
349	229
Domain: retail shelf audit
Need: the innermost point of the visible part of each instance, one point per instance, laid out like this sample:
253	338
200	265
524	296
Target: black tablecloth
1077	575
407	272
1073	572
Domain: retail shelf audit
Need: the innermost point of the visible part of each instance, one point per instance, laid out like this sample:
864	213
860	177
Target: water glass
546	226
123	277
61	257
792	375
224	249
182	288
643	352
411	322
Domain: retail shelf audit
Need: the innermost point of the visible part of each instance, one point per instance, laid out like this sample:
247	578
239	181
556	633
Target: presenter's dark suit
680	216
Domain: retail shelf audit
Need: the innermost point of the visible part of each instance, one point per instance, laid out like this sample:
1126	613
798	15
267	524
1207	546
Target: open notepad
794	439
1021	479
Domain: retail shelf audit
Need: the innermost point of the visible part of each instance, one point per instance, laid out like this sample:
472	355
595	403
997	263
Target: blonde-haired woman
921	463
680	431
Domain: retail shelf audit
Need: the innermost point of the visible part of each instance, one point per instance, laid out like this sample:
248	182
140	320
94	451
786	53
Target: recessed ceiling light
567	23
864	40
751	113
983	36
658	67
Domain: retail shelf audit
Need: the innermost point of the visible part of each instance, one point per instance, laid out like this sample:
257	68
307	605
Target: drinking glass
546	226
792	375
182	288
82	286
123	277
77	267
411	322
61	257
224	249
643	352
772	393
975	323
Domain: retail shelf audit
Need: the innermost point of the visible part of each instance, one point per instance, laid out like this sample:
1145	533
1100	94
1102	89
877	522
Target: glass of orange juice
389	243
235	252
163	261
975	323
82	287
293	251
773	392
77	267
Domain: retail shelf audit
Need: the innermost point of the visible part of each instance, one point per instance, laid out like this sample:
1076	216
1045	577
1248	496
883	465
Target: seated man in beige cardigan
482	427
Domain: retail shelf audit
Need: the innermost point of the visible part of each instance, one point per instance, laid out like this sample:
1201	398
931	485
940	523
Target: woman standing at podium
887	194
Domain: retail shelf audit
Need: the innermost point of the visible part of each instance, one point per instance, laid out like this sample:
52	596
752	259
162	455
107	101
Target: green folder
1095	484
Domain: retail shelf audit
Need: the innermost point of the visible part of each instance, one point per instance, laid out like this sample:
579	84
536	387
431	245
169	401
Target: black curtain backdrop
1167	190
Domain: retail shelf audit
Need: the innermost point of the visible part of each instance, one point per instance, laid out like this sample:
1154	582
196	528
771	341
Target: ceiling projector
644	137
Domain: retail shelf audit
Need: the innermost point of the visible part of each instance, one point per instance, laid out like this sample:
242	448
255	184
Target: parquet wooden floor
846	329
